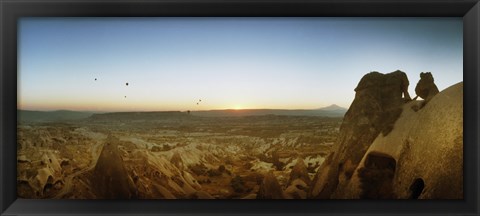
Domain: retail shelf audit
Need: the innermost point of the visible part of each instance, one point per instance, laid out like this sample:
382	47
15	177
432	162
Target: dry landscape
167	154
240	108
387	145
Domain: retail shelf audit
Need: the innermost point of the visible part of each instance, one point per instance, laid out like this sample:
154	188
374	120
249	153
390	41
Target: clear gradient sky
228	63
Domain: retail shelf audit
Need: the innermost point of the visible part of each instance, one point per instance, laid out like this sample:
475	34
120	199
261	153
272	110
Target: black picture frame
12	10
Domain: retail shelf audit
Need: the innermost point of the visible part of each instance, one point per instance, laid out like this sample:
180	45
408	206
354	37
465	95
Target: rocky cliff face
388	149
378	103
422	158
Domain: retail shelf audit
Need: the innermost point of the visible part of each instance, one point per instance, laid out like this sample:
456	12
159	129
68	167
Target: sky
227	63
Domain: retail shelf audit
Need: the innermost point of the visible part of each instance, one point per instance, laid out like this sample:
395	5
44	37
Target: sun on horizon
238	107
135	64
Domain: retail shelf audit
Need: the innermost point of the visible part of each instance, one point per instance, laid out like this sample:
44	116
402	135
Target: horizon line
225	109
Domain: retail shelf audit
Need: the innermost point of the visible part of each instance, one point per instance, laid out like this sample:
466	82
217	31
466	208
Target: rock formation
270	188
41	175
111	177
177	160
377	105
298	189
422	158
426	89
299	171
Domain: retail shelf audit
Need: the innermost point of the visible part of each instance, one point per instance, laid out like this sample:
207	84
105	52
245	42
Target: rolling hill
51	116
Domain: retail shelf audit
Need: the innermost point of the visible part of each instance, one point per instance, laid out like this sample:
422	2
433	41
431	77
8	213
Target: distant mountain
330	111
50	116
333	107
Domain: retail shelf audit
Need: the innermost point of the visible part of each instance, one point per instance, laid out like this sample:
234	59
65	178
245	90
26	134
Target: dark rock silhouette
426	89
393	84
299	171
422	158
377	105
111	177
270	188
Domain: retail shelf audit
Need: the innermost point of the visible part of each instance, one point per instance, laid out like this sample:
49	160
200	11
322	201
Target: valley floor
186	158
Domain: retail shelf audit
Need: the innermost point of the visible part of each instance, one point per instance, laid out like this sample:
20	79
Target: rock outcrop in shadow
112	180
299	171
270	188
425	89
377	105
422	158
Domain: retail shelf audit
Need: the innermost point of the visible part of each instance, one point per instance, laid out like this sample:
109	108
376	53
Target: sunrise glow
230	63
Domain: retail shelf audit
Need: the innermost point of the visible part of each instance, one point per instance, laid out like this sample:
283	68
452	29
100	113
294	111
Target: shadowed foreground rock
270	188
298	189
377	105
111	177
299	171
422	158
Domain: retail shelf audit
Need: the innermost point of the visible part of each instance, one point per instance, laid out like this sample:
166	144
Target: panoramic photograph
240	108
